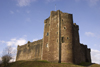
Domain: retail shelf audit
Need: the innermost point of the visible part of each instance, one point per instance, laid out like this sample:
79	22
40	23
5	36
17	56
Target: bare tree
7	55
8	50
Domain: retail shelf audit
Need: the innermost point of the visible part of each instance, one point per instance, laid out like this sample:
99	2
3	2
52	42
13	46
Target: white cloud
22	3
35	40
11	12
95	55
13	59
14	41
89	34
21	41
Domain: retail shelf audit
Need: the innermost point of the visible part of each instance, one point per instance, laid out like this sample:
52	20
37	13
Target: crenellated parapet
86	52
30	51
76	26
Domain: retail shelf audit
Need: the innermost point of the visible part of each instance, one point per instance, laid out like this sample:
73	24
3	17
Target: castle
60	42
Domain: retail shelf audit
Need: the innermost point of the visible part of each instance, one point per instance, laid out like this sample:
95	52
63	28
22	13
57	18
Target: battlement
29	44
31	50
53	13
46	21
89	49
66	15
84	46
76	26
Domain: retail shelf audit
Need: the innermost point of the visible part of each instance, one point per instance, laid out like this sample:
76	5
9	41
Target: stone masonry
60	42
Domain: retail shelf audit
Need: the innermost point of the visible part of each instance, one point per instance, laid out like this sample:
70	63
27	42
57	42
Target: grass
47	64
85	64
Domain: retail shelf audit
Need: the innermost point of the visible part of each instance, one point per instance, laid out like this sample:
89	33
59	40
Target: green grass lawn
47	64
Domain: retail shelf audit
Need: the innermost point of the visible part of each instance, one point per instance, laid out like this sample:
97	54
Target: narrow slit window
47	45
57	32
62	39
47	33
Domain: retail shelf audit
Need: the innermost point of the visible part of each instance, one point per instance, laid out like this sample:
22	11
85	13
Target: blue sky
23	20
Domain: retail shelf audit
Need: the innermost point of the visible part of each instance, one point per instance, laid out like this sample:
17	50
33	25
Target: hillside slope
45	64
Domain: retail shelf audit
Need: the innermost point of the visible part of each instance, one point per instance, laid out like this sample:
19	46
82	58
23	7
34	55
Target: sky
23	20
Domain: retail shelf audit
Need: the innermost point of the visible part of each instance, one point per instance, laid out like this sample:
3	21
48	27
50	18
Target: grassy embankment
48	64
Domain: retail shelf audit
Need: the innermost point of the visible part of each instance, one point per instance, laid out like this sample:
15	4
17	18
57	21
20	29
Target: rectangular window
62	39
67	38
57	32
47	45
47	33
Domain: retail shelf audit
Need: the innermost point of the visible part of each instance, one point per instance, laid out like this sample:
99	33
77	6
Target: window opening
47	33
57	32
47	45
64	27
62	39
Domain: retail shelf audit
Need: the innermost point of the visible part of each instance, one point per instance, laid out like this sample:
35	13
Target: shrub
6	59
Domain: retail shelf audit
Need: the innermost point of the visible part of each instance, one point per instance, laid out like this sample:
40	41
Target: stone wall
80	51
30	51
66	38
77	50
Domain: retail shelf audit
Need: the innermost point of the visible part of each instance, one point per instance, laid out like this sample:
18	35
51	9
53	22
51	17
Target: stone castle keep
60	42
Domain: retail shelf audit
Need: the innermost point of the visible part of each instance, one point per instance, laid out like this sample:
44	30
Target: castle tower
58	38
60	42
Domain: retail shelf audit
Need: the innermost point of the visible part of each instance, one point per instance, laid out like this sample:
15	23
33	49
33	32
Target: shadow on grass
86	64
